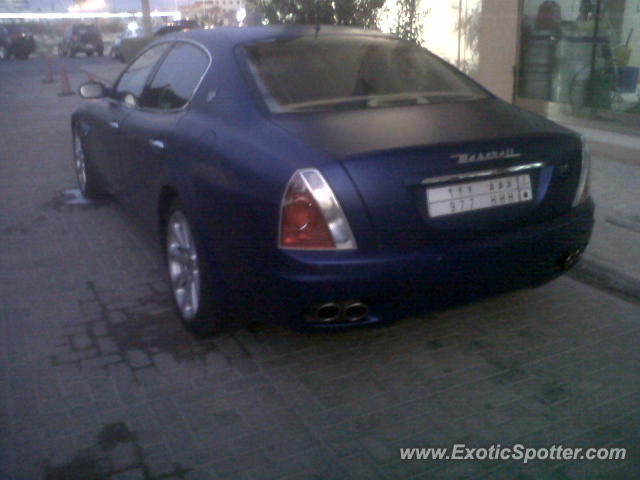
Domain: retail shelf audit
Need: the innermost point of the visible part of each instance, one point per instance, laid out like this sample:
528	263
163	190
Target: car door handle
159	144
114	124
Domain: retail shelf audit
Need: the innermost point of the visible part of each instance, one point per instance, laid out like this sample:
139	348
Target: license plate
467	197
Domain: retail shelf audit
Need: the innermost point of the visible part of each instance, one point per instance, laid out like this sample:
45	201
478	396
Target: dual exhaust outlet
334	312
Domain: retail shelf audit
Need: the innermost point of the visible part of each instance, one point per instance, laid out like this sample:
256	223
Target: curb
609	145
603	277
606	137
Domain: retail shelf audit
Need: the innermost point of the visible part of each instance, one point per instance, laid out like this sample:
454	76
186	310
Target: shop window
581	52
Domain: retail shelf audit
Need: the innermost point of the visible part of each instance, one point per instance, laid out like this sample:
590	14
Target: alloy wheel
184	271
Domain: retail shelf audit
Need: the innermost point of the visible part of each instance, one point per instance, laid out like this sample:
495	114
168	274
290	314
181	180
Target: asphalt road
98	380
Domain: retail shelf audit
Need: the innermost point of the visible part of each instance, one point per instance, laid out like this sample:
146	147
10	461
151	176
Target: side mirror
93	90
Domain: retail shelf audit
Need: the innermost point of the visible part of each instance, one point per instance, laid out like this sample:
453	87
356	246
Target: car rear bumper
24	47
395	283
85	46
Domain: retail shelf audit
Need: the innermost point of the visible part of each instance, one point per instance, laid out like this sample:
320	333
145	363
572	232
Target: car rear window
349	72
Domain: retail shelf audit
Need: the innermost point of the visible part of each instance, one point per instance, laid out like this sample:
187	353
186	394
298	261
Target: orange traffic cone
65	88
49	77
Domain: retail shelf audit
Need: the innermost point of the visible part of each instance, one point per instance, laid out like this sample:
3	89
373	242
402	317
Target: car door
151	135
110	115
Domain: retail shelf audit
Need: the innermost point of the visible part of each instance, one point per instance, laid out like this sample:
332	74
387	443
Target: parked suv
81	38
15	40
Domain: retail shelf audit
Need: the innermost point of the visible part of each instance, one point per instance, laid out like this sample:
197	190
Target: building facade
14	5
212	11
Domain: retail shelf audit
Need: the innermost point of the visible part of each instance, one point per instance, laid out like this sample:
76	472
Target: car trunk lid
396	155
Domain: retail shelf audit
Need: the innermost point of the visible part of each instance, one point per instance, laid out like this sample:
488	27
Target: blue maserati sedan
329	177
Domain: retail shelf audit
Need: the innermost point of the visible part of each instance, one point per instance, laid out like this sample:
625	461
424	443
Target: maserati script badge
485	156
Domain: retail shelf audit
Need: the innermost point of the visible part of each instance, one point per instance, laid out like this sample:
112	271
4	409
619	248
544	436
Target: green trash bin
600	87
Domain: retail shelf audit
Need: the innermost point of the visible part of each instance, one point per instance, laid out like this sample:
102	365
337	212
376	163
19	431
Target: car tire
86	175
22	56
4	53
101	53
191	287
89	53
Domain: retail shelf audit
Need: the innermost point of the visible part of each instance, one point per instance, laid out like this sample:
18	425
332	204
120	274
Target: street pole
146	18
594	45
459	31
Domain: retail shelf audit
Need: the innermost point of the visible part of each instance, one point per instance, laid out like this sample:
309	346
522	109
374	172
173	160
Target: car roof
230	36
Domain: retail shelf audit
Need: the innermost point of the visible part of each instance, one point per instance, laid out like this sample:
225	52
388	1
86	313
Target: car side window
131	84
177	78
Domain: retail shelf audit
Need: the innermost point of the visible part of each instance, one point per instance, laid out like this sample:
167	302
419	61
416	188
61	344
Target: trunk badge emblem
486	156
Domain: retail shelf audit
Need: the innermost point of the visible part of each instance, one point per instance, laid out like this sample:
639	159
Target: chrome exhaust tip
326	313
356	311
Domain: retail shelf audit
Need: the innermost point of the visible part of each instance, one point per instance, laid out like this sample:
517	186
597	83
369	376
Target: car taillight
15	36
311	217
582	192
74	38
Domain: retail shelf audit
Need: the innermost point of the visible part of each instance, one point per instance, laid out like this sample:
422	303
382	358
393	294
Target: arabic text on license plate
466	197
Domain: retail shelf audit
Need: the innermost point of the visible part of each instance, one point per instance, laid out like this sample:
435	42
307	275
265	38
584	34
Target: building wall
449	29
14	5
498	46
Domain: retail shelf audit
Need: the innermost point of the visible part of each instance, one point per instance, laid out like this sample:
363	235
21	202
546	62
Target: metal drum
537	65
